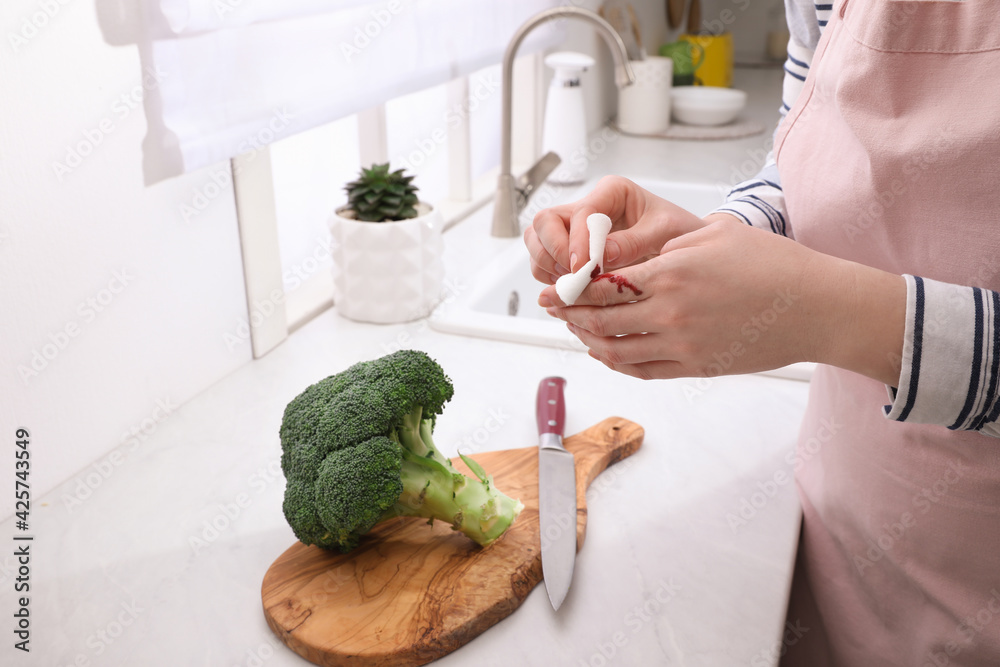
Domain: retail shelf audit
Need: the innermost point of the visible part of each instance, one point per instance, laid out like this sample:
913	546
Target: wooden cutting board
410	592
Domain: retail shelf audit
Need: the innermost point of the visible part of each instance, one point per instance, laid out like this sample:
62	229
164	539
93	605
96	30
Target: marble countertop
154	554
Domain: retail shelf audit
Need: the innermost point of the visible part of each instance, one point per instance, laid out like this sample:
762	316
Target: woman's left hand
729	299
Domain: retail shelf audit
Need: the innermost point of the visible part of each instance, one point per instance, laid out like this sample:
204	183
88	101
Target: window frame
274	314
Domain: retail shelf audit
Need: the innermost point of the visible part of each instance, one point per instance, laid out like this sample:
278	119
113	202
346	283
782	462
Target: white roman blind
226	77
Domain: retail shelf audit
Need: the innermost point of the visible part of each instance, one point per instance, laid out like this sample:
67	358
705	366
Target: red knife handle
550	406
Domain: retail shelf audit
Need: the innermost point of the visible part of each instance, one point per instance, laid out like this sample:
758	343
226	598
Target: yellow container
716	68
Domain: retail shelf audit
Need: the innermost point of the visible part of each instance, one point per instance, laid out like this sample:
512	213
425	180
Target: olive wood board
410	592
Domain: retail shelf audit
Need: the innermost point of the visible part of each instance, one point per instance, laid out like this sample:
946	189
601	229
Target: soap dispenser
565	129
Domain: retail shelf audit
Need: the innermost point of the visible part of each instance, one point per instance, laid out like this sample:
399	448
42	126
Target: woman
877	233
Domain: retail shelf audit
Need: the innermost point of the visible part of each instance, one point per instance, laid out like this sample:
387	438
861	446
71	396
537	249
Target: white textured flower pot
387	272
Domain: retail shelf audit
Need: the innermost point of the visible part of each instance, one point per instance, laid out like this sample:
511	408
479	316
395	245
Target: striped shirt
965	353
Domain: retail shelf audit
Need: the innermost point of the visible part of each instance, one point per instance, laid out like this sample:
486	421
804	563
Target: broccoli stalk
357	449
434	489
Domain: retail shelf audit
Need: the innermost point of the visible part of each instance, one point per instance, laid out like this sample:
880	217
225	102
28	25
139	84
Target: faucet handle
534	177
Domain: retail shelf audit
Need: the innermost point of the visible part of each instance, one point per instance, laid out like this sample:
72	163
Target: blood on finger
621	281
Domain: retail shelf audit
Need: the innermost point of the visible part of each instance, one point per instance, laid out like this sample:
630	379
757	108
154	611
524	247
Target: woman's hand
641	223
728	299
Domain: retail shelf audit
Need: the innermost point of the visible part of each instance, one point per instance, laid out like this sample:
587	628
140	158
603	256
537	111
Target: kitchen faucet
512	195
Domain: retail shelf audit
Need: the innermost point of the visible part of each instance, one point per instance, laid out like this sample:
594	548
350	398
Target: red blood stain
621	281
596	272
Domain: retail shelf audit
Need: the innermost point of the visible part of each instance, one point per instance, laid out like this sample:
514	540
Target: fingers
659	225
616	197
625	285
634	348
548	239
630	246
578	250
665	370
644	221
602	311
644	356
603	322
559	241
543	266
579	236
710	228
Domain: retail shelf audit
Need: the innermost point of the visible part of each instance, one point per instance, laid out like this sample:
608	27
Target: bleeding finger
622	286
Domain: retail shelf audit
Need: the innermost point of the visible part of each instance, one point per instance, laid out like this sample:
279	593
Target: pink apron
891	158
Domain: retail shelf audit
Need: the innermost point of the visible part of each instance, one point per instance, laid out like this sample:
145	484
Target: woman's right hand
642	223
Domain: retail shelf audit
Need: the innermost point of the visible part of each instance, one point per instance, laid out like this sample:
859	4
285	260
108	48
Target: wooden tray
410	592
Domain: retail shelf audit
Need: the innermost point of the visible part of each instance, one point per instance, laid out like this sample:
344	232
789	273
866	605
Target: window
448	136
417	138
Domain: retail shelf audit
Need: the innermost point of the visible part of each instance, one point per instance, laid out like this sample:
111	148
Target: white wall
122	302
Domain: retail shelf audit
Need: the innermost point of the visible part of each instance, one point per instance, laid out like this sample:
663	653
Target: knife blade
556	491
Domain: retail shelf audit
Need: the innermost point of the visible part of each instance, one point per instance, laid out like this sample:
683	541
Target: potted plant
386	250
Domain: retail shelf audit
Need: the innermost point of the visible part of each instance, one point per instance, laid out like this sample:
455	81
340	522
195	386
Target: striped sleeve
760	202
951	358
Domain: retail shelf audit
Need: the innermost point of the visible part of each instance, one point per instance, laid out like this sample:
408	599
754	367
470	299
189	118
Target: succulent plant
379	195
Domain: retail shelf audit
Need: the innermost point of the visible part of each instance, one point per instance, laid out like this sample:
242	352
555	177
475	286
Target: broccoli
357	450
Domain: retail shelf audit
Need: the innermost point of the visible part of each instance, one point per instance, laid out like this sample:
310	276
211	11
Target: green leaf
379	195
476	469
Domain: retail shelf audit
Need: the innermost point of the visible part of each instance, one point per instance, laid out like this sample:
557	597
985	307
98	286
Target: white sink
502	302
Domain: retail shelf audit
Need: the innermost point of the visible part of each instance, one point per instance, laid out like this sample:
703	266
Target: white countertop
132	571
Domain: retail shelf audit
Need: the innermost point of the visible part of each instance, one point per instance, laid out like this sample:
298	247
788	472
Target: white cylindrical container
644	107
387	272
565	129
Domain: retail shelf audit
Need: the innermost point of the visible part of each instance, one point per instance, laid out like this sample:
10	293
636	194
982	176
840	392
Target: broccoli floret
357	449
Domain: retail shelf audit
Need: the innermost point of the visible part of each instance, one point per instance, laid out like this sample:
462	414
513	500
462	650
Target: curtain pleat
225	77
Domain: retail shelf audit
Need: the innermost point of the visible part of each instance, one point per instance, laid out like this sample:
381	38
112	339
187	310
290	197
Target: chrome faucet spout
511	200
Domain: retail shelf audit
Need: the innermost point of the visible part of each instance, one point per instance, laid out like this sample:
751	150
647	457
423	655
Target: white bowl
706	105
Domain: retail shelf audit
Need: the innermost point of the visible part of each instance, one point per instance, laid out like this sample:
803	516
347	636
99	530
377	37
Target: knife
556	491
